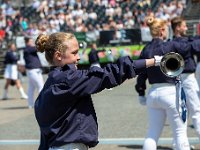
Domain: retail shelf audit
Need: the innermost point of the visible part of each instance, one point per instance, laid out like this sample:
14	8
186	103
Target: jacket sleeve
140	86
30	49
196	37
186	48
195	46
180	47
86	82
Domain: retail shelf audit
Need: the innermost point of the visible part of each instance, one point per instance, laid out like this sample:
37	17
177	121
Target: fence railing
192	27
118	141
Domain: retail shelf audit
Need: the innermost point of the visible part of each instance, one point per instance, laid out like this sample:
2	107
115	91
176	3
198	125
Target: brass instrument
172	64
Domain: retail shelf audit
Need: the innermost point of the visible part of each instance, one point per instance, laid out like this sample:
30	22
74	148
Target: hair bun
150	21
41	42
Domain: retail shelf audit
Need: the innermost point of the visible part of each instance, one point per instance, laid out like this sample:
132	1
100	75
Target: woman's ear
57	55
161	33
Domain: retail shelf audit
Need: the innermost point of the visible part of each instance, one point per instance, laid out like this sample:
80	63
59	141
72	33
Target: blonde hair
52	43
155	25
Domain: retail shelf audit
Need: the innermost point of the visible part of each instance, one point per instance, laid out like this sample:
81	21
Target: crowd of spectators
91	16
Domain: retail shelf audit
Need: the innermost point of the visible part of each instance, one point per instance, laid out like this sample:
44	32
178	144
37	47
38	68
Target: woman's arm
86	82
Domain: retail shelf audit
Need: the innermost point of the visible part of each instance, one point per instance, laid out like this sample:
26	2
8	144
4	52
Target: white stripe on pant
191	89
197	73
71	146
161	104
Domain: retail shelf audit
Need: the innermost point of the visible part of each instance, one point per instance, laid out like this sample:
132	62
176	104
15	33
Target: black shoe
192	147
191	126
5	98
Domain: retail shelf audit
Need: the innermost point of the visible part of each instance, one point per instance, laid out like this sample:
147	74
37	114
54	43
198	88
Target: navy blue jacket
11	57
31	58
197	37
64	108
93	56
194	49
154	74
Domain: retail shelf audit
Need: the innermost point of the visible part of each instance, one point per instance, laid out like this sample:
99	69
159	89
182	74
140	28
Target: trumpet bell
172	64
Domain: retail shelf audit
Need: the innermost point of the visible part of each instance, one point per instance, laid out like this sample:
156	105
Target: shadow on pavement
15	108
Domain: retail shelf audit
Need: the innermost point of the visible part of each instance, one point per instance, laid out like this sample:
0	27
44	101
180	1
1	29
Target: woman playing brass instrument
161	98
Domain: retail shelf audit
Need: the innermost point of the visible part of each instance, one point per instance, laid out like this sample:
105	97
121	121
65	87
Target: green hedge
131	50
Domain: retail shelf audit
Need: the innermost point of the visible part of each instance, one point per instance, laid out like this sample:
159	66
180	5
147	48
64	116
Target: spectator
63	14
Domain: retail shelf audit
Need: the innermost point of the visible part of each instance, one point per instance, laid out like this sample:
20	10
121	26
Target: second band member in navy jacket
161	98
189	81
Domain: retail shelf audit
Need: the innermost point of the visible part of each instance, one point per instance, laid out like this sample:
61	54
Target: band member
33	70
161	98
11	72
64	108
189	81
93	56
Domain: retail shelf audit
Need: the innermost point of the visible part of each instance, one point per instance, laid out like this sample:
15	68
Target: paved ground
119	116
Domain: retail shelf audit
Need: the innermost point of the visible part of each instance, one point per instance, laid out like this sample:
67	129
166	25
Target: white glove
157	60
142	100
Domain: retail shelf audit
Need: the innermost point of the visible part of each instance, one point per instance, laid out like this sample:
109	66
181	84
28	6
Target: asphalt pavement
122	121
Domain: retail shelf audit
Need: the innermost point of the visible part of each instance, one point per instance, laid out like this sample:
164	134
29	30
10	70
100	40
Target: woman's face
31	42
182	28
13	47
71	55
164	32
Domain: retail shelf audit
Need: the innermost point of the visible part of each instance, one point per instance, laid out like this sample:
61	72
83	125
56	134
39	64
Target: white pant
191	89
35	80
71	146
198	74
161	104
